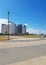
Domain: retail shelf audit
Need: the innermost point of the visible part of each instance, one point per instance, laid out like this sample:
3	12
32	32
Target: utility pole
8	25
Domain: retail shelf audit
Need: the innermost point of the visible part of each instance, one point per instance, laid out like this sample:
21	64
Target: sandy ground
34	61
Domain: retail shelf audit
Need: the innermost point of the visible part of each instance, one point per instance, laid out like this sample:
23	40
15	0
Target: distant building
4	29
19	29
23	29
12	28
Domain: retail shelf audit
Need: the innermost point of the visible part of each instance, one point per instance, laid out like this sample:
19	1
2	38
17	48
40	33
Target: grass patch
3	38
29	36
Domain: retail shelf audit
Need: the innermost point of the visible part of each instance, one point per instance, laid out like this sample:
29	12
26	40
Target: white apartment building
4	29
12	28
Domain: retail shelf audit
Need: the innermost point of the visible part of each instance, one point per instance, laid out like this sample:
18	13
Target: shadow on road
12	55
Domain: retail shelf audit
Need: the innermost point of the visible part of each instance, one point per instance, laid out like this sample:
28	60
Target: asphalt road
16	54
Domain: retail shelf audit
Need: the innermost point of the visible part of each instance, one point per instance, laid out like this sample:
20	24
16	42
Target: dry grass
29	36
3	38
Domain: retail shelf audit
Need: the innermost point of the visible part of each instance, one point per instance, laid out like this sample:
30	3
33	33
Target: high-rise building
19	29
12	29
24	29
4	29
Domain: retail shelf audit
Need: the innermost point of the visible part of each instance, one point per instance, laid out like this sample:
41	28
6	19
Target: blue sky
30	12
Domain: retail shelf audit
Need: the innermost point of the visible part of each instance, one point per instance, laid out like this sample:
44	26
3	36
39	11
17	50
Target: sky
29	12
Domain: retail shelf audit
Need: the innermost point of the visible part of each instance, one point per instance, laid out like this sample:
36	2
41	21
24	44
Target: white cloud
34	31
26	24
3	21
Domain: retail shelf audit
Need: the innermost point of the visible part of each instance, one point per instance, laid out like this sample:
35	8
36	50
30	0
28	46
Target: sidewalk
21	42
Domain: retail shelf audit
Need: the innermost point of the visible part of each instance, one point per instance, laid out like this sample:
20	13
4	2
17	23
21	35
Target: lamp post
8	25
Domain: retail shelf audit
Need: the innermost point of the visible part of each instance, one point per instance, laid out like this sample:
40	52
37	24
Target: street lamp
8	25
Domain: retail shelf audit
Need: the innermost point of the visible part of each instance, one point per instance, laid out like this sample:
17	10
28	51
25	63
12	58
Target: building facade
23	29
4	29
19	29
13	29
